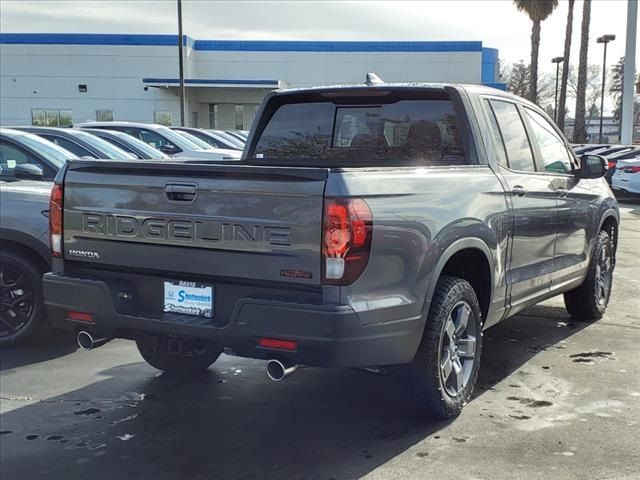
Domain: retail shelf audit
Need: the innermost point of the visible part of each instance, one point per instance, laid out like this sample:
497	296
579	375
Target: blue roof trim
236	45
209	81
489	65
320	46
87	39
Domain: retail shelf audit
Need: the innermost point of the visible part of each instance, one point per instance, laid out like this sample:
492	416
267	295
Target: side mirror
592	166
28	171
169	149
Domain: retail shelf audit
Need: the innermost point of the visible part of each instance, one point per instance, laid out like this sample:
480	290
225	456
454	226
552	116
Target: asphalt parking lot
556	399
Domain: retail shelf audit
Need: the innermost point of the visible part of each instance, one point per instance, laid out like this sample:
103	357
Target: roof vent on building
373	79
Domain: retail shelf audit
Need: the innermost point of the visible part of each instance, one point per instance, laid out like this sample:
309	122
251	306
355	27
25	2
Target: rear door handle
181	192
519	191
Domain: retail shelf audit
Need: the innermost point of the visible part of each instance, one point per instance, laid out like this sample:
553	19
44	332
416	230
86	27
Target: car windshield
147	150
229	138
180	141
49	150
192	138
105	147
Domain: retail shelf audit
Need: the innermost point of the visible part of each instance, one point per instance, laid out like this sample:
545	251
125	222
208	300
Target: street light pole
604	39
557	61
181	63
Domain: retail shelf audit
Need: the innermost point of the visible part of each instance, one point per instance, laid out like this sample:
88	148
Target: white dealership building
59	79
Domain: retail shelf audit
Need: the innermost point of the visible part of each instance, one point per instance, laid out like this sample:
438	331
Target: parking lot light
604	39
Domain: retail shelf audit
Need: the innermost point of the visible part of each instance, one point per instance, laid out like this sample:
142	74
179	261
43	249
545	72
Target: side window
11	156
501	153
73	147
154	139
514	135
555	156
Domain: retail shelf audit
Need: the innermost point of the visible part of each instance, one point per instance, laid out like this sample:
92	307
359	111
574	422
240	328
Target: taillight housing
633	169
346	239
55	220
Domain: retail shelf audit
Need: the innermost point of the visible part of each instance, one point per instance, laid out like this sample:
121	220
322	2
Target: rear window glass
409	132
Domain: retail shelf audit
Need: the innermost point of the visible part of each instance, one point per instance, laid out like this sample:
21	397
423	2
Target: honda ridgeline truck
365	226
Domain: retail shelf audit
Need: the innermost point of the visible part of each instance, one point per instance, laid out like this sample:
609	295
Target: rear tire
444	371
589	301
191	359
21	303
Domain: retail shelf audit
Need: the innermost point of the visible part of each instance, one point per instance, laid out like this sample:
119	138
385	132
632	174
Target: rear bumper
326	335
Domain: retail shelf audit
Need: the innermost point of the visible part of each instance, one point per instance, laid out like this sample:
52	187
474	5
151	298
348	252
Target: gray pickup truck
365	226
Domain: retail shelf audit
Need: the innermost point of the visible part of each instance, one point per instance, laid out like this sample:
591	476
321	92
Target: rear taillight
346	240
612	165
633	169
55	221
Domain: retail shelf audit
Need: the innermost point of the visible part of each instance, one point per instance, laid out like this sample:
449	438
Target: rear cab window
361	128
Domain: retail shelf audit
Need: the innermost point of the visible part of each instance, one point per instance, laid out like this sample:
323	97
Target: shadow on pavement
233	423
47	345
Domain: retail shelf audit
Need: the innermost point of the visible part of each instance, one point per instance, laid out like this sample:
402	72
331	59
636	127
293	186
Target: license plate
189	298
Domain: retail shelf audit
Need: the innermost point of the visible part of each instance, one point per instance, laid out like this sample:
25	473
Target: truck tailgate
231	221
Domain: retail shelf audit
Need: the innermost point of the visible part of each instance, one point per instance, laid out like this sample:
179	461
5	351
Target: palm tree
580	130
562	103
538	11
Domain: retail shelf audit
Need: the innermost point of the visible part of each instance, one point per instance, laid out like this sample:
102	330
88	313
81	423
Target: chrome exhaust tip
86	341
278	371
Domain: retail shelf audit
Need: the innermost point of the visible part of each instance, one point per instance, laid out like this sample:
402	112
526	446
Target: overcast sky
496	23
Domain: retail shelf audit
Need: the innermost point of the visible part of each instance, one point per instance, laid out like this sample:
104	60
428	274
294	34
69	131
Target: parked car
192	138
627	176
611	150
81	144
28	165
242	135
165	140
214	138
389	227
129	144
589	148
612	159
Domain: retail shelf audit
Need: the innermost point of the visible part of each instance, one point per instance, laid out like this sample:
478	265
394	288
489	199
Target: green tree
580	130
537	11
616	81
517	76
562	101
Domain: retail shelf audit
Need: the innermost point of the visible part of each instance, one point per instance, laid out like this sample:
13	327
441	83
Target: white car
166	140
627	176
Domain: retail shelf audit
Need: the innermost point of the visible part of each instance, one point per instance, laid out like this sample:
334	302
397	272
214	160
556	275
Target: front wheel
177	357
444	371
589	301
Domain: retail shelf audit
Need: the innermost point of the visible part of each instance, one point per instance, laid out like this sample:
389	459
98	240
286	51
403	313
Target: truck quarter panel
418	214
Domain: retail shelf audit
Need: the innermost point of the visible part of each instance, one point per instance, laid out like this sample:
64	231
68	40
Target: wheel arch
27	246
610	222
452	261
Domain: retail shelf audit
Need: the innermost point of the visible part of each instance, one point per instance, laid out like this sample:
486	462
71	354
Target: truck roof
470	88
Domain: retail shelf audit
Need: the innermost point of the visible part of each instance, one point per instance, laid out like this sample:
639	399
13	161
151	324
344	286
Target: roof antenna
373	79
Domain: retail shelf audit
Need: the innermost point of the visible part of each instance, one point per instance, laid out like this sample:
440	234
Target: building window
213	115
38	118
104	115
162	117
239	117
194	119
51	118
65	118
